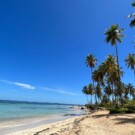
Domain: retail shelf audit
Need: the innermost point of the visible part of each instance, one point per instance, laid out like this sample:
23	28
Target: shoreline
44	126
95	123
12	126
16	125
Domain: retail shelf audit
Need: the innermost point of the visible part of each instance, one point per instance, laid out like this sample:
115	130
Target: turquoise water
10	111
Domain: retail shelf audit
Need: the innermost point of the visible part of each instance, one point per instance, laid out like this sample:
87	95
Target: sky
44	43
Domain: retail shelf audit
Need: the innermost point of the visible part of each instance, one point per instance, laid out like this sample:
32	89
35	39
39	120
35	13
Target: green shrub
117	110
89	106
121	110
130	111
131	108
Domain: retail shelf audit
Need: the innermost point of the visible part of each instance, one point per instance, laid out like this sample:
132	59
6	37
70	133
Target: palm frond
132	23
133	4
118	39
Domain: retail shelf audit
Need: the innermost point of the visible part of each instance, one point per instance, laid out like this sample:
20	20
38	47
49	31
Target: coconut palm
98	92
108	91
131	89
126	92
85	91
130	62
111	68
112	74
107	72
113	35
98	75
98	78
90	91
110	63
104	72
91	62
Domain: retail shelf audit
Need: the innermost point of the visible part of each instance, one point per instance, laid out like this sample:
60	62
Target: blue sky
44	43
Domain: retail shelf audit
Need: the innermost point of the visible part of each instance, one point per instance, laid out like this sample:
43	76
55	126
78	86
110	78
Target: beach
67	67
94	123
18	116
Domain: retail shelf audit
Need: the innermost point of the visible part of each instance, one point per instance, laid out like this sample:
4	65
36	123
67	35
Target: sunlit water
10	111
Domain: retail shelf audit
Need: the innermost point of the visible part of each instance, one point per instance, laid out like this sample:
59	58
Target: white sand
98	123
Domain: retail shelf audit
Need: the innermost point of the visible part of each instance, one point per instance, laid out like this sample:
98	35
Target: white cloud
5	81
28	86
58	91
22	85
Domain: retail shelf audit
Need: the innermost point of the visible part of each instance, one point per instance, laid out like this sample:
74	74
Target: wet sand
10	127
96	123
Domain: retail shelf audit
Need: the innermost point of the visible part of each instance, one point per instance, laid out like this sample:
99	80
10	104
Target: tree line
107	85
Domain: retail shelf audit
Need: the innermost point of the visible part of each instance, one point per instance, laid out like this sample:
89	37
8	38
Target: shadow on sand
101	115
125	120
120	118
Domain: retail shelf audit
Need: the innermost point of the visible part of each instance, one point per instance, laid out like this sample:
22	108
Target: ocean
10	110
16	116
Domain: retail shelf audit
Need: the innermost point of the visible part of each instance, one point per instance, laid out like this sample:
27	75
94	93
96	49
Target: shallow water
16	116
10	111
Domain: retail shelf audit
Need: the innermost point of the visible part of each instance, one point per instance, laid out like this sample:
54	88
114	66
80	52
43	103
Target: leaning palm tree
130	62
85	91
113	35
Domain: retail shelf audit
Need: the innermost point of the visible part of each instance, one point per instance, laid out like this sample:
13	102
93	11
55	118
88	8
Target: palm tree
132	23
130	62
98	91
98	75
85	91
110	64
98	78
113	35
112	75
107	72
91	62
126	92
108	91
90	91
131	89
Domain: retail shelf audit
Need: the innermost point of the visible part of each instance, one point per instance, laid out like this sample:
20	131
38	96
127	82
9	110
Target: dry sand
97	123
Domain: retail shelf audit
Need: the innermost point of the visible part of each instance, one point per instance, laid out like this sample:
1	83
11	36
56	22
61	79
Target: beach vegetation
130	62
91	62
108	88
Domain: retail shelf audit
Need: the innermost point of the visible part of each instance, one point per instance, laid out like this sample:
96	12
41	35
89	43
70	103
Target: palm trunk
115	96
91	99
134	70
118	63
112	92
96	98
119	81
93	84
115	99
87	99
